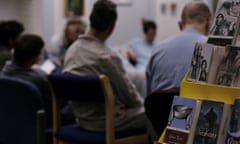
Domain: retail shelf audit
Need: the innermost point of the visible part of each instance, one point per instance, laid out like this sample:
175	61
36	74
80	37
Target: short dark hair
28	46
103	14
147	25
10	29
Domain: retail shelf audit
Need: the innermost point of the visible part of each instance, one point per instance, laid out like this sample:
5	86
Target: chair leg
55	141
58	141
141	139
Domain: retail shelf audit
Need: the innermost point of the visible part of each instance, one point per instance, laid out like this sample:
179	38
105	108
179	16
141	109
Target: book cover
180	120
233	131
229	67
201	62
238	39
218	53
225	23
227	110
208	123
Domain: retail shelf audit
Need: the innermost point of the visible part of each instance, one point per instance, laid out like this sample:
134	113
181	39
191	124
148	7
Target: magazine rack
198	90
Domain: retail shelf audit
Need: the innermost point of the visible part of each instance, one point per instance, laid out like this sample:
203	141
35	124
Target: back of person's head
103	15
195	13
10	30
27	49
148	24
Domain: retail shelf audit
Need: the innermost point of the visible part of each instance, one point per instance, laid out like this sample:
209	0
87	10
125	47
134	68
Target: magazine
182	120
228	69
208	123
233	130
201	62
225	23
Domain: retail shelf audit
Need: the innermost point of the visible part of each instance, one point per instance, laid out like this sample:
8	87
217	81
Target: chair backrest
79	88
158	106
19	102
83	89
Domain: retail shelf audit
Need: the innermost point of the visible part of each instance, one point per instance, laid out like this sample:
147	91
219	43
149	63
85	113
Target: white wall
46	17
129	21
9	9
29	12
168	22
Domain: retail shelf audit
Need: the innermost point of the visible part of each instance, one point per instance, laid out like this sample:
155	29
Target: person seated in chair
59	44
88	55
27	52
9	31
142	47
171	58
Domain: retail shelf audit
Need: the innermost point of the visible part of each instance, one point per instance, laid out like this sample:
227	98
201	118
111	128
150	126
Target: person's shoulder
161	45
135	40
39	74
107	54
157	52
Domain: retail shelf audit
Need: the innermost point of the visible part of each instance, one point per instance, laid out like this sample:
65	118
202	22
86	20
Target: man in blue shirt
172	57
143	47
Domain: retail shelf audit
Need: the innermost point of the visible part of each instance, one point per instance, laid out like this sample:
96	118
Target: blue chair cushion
74	133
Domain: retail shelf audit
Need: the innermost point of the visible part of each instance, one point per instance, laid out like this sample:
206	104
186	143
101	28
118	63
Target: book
233	130
47	66
210	123
218	53
225	23
228	69
181	121
201	62
227	110
236	37
238	40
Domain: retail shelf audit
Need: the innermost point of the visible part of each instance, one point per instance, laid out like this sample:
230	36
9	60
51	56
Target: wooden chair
22	119
158	106
89	89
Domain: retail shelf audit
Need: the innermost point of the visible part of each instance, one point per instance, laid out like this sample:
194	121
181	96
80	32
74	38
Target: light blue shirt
171	59
142	50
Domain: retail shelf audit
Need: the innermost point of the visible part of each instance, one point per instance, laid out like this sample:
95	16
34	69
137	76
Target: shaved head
195	12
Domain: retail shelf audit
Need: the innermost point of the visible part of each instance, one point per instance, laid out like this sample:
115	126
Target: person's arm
55	48
123	89
129	54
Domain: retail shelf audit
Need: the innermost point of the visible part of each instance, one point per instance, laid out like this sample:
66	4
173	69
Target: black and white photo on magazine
196	63
229	68
200	62
226	18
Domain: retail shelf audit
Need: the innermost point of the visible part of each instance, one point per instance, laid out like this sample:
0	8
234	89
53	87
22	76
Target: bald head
195	12
196	15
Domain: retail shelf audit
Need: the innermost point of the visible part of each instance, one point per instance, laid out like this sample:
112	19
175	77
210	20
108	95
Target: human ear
180	25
